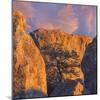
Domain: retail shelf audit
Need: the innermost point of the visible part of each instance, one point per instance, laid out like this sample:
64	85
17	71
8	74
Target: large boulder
29	74
62	53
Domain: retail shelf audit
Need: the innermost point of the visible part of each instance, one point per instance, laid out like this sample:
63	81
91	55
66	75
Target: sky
74	19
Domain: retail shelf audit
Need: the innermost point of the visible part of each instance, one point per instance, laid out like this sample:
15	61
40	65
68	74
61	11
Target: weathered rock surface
74	45
89	67
72	83
29	74
63	54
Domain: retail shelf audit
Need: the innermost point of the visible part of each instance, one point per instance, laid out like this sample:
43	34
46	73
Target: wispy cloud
68	20
90	18
28	11
26	8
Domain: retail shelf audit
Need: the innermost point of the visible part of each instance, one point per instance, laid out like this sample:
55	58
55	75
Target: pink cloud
47	25
26	8
66	18
28	11
90	17
68	21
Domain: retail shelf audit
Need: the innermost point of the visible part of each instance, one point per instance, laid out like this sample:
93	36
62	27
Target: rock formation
63	53
29	74
51	62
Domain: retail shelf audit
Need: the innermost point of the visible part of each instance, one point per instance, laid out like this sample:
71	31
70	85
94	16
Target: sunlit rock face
74	45
62	53
89	67
29	74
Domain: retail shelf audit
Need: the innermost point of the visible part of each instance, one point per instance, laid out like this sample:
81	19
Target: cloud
68	20
26	8
90	18
28	11
47	25
33	16
65	21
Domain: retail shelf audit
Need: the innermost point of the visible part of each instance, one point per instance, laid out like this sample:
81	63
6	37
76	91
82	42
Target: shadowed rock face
62	53
89	67
28	68
31	93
